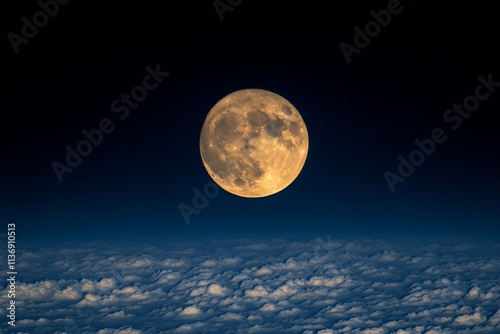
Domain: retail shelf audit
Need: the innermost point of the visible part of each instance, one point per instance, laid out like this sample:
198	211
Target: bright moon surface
254	143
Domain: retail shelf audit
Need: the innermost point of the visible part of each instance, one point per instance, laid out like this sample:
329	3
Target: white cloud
118	315
216	290
191	310
190	327
363	287
475	292
374	331
263	271
471	319
69	293
197	292
268	307
329	282
258	291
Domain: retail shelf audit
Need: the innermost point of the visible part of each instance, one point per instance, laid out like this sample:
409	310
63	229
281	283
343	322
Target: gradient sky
360	116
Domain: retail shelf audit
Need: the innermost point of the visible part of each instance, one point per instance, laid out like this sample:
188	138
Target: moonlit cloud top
252	286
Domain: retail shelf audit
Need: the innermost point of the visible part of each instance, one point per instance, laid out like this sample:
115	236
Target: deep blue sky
360	117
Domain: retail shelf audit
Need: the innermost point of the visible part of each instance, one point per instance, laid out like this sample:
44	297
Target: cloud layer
319	286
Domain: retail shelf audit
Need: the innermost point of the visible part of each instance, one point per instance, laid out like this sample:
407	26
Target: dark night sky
360	117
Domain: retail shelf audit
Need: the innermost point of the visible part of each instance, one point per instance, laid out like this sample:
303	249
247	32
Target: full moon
253	143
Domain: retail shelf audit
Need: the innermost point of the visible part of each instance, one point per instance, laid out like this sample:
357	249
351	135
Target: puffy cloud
198	292
320	286
374	331
191	310
471	319
268	307
117	315
475	292
258	291
263	271
69	293
193	327
329	282
216	290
